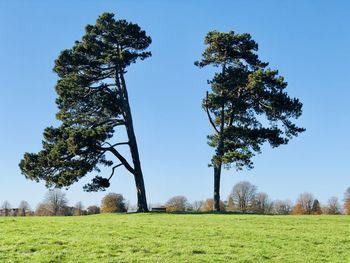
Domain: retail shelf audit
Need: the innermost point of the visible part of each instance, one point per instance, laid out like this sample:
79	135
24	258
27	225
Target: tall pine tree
247	105
93	102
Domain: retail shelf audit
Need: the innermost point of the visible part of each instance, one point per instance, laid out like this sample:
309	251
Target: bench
158	209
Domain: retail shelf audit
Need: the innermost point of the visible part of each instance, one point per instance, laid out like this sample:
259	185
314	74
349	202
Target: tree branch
231	117
265	105
103	87
115	122
113	169
208	113
120	158
106	68
119	143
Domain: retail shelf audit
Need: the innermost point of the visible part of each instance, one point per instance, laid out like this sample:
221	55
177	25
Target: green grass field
175	238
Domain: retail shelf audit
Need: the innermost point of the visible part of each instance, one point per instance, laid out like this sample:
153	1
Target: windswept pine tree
247	105
93	101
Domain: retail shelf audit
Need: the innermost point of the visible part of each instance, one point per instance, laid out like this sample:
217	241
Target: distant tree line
244	198
55	203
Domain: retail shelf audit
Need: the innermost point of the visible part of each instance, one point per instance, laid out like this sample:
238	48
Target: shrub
113	203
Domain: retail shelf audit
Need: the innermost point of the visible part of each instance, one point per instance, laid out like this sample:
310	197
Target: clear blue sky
309	44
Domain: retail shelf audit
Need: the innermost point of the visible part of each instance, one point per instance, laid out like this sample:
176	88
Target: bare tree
56	201
333	206
93	209
262	204
197	205
79	209
24	207
306	200
6	206
282	207
43	209
243	194
177	204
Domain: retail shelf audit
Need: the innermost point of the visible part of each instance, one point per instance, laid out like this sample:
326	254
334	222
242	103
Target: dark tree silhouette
93	209
247	105
316	207
93	101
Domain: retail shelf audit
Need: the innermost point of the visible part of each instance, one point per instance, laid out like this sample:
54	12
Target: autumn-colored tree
347	201
230	205
113	203
177	204
347	206
306	201
208	205
298	209
43	209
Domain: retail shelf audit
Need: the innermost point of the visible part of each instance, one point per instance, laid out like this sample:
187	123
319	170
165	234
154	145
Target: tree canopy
92	101
247	105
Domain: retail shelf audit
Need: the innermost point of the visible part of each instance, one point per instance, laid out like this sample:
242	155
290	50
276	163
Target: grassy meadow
175	238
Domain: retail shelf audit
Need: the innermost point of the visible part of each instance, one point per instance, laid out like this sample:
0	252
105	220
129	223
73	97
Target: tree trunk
218	161
140	186
217	175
